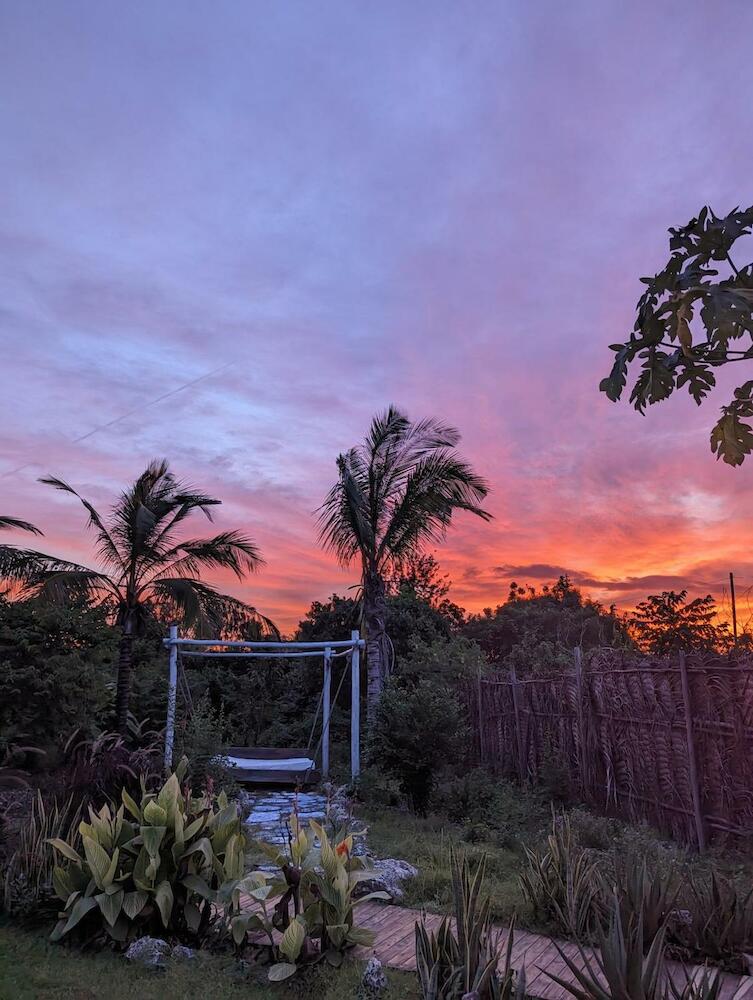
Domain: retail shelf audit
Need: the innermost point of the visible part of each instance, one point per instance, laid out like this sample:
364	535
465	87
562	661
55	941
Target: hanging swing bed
272	765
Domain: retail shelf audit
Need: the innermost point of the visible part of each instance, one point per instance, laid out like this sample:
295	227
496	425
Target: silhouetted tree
667	623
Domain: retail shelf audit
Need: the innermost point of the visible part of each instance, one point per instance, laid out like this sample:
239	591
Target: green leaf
168	798
199	885
98	861
292	940
239	926
134	903
193	828
154	814
65	849
337	934
82	906
377	894
731	439
164	899
153	837
110	904
281	971
131	805
360	935
62	883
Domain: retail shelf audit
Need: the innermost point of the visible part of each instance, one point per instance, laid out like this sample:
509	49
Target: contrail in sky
130	413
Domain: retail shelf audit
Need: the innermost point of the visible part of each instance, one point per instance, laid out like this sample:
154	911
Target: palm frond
14	522
71	584
398	491
345	525
439	485
206	612
228	550
107	550
22	565
146	514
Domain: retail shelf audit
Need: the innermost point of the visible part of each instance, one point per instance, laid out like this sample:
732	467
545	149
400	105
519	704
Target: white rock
374	978
386	875
150	952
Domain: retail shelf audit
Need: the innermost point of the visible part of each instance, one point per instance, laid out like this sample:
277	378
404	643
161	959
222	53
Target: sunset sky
440	204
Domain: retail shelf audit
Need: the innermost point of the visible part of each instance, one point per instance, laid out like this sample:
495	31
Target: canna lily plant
305	912
156	865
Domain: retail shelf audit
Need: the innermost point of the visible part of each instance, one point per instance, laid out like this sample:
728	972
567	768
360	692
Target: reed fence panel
669	741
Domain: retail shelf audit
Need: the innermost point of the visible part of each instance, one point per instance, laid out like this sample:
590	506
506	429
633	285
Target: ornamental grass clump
150	867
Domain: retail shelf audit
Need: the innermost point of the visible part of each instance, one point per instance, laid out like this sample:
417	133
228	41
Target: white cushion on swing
284	764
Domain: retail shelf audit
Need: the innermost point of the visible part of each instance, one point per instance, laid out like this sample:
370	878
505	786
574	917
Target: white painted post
326	710
172	688
355	706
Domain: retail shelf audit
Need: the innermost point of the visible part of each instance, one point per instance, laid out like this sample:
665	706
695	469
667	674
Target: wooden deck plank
394	945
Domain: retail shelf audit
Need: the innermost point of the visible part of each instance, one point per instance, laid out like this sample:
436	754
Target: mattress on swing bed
271	765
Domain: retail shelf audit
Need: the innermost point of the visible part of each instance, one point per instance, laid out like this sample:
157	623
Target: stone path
267	811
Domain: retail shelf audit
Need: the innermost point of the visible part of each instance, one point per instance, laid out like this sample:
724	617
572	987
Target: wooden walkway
394	927
536	954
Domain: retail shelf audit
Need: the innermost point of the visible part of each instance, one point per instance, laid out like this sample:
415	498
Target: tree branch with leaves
695	316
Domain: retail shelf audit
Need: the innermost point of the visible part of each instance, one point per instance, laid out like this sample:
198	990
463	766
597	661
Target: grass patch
425	843
33	969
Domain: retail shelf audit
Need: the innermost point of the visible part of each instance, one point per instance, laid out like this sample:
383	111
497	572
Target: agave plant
703	986
154	865
463	962
619	968
652	895
720	924
562	883
314	894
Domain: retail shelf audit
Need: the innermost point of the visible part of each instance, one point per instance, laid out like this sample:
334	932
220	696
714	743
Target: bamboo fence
668	741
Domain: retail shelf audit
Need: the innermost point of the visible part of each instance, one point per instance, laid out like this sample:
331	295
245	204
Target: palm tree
145	569
396	492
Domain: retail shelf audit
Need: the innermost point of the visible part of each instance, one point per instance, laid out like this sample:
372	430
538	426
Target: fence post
355	705
172	690
695	787
326	710
579	696
522	768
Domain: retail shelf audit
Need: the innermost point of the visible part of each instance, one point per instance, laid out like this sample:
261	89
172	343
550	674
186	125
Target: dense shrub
442	661
492	810
202	738
55	672
417	728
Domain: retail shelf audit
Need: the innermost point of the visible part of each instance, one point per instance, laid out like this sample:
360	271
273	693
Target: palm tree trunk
377	643
125	669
